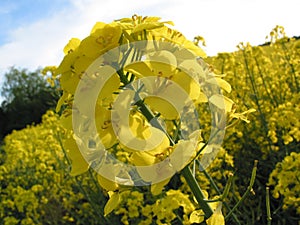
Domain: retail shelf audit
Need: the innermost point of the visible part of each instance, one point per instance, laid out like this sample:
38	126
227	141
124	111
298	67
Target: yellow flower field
62	170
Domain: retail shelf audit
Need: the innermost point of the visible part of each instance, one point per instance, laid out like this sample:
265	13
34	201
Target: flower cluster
119	84
265	78
285	177
35	184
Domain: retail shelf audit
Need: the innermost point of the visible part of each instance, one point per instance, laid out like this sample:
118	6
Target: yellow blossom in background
64	171
285	179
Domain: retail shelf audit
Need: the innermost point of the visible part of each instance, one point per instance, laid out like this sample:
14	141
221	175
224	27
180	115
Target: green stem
269	218
214	185
247	191
256	99
272	99
186	172
227	187
293	70
193	184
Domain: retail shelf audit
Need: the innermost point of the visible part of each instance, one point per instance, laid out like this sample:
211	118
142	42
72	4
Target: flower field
45	181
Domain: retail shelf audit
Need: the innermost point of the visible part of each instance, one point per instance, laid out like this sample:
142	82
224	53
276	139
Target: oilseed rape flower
285	179
131	94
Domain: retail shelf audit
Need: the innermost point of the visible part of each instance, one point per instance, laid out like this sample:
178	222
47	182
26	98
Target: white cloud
226	23
222	23
41	43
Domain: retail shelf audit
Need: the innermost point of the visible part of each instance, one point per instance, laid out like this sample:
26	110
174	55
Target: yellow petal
102	116
147	26
153	141
82	63
162	106
183	54
195	49
183	153
151	18
79	164
90	47
202	98
67	63
72	45
158	172
112	203
106	183
132	129
217	217
221	83
190	86
111	85
100	40
139	69
104	127
192	68
157	188
107	136
197	216
94	89
222	102
69	82
107	176
98	25
61	101
142	159
66	119
162	63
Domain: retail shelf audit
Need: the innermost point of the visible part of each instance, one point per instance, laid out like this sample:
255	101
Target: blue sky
34	32
18	13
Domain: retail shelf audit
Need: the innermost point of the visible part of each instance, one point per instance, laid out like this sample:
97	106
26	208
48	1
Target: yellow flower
103	37
153	168
185	150
157	188
132	129
169	86
217	217
71	46
107	182
113	202
222	102
177	38
79	164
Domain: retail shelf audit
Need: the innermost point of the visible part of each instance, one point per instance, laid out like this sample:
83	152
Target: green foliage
27	96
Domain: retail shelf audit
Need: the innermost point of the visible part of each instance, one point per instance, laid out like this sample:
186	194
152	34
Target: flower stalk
186	171
269	218
249	188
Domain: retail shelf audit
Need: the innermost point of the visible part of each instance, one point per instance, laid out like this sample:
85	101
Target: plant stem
247	191
214	185
186	172
269	218
193	184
